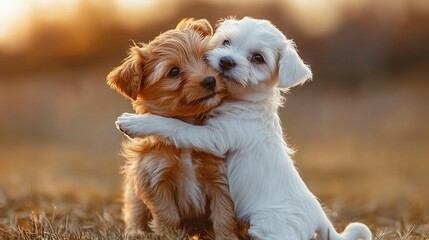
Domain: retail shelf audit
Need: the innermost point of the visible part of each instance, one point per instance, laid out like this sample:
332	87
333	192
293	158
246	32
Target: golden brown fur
168	185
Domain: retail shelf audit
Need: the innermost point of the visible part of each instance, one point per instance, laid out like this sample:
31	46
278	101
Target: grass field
67	217
362	151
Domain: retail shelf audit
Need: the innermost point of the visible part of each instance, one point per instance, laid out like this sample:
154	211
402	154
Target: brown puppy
170	77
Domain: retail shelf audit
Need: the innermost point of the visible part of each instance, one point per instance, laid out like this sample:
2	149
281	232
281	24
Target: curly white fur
264	184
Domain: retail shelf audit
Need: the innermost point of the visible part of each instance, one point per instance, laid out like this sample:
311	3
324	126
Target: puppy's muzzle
209	83
226	63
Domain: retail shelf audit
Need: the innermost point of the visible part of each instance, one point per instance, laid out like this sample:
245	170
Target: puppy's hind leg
274	225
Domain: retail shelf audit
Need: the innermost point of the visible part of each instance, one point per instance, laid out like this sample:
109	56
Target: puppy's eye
258	59
226	42
174	72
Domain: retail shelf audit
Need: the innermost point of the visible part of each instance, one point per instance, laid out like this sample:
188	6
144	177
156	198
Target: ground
42	217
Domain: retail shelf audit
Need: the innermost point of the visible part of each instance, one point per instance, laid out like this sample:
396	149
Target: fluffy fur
168	184
258	62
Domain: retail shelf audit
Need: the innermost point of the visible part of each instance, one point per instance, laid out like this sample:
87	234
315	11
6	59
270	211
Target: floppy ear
292	70
202	26
127	78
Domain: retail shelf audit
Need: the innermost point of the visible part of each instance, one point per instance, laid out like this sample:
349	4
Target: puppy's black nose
209	83
226	63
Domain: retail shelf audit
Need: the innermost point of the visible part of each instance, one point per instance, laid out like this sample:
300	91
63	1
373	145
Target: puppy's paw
128	124
131	233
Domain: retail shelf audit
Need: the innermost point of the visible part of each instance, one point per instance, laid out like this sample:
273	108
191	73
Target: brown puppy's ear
127	78
201	25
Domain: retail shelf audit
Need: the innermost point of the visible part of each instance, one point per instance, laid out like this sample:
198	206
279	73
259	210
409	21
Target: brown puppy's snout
209	83
226	63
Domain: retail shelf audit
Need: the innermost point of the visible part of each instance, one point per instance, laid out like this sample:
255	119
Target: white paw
128	124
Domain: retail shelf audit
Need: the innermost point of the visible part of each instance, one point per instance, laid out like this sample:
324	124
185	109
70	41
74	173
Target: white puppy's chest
257	153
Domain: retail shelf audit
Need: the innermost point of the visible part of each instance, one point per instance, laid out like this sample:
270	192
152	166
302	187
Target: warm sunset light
135	4
13	18
19	18
326	13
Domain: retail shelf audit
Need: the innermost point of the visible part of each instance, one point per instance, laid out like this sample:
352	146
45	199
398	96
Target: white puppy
257	61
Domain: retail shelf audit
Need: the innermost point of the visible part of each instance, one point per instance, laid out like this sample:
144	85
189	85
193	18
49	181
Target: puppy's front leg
136	214
183	135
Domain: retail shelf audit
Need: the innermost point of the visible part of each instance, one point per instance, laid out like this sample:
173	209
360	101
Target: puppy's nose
226	63
209	83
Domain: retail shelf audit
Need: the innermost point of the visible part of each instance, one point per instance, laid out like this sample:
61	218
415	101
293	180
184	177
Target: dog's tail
353	231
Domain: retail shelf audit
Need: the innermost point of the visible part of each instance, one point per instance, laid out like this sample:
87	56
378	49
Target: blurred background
360	128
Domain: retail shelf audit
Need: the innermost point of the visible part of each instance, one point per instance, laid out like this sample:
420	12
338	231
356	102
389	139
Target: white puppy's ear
292	70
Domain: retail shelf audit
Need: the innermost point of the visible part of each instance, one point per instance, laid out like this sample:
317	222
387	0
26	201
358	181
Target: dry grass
43	217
